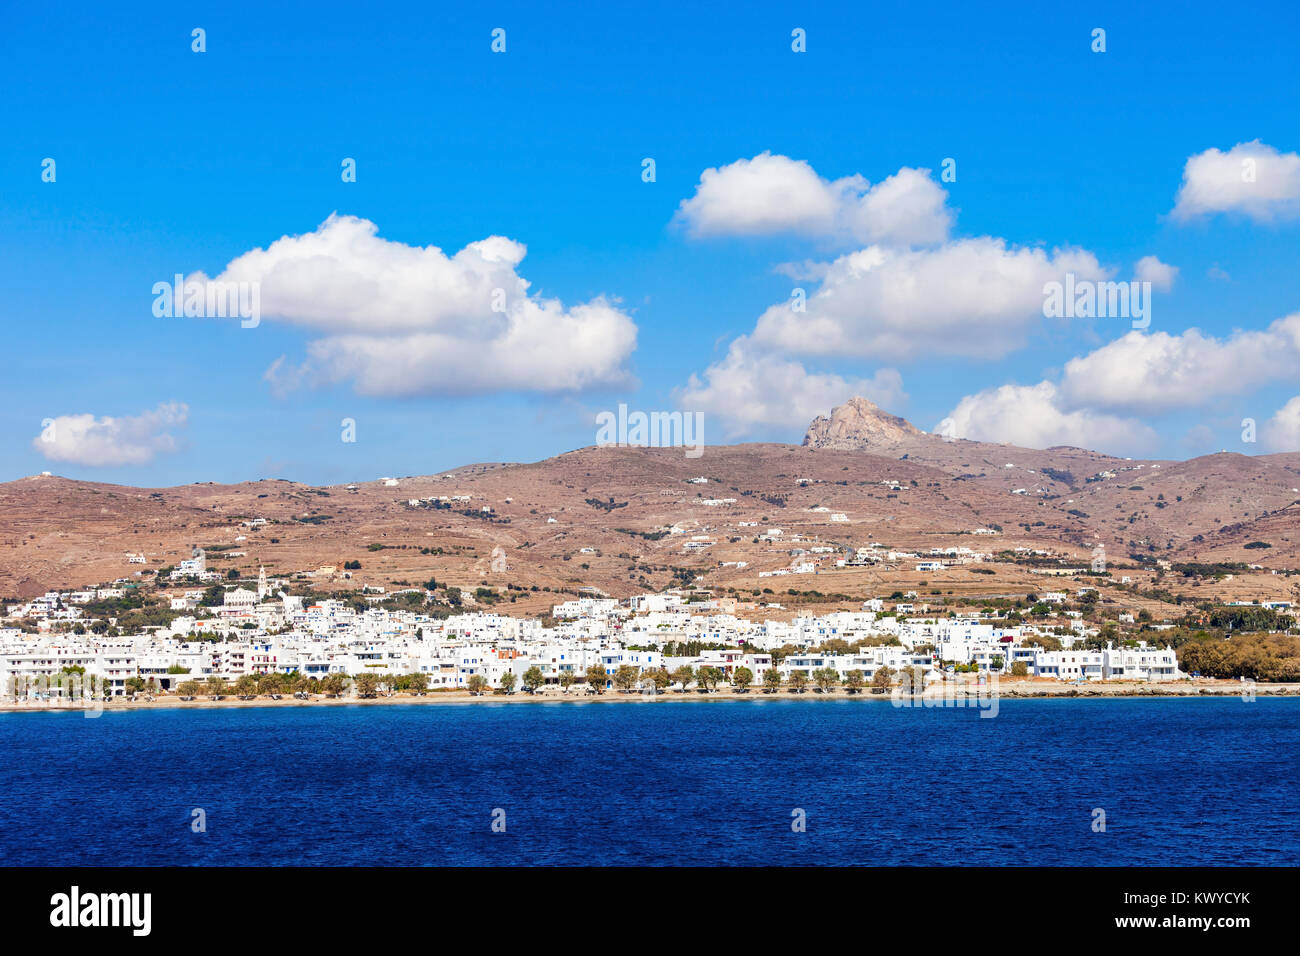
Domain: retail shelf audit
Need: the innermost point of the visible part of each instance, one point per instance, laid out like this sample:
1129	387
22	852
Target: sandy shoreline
1006	690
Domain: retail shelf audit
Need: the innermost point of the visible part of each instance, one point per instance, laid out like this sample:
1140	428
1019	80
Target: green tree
882	680
626	678
134	685
826	678
533	679
246	686
417	682
215	686
188	688
797	681
476	684
567	679
332	684
741	678
367	684
771	680
912	680
854	681
270	683
660	678
683	675
508	682
596	678
1019	669
707	678
1046	641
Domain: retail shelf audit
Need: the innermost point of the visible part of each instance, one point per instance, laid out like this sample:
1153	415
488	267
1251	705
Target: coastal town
246	639
874	558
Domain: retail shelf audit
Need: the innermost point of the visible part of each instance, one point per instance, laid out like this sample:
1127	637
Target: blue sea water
1181	781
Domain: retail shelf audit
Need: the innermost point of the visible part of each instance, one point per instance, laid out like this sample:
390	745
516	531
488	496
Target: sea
768	781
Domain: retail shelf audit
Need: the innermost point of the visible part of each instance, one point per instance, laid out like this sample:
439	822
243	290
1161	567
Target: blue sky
171	161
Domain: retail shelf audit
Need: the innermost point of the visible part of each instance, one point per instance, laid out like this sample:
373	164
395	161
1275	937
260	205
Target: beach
1028	688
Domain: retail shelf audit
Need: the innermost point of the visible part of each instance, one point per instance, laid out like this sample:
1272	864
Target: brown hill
624	520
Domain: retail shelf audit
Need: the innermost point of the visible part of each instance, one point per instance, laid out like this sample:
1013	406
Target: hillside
603	517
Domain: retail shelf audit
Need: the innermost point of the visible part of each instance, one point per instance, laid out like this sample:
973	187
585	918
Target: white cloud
1282	431
1161	275
1030	416
772	194
128	440
1139	373
911	292
1252	178
1157	372
405	320
973	297
750	390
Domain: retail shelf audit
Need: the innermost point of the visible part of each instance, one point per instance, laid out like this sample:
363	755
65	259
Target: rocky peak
858	424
